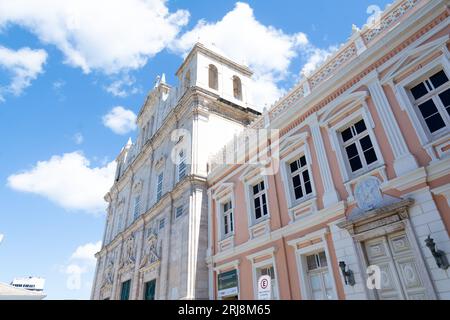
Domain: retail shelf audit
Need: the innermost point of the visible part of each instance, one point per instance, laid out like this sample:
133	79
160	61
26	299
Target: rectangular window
178	211
227	211
432	100
300	177
182	166
259	200
137	206
319	277
358	146
269	271
162	223
159	186
316	261
149	290
125	291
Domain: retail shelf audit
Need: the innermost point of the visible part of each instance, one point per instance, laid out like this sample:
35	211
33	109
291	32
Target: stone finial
157	80
355	29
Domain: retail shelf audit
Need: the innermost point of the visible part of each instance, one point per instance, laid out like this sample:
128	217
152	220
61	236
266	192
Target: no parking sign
264	288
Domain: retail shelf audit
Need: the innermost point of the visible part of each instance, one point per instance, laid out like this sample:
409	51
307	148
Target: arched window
187	80
213	77
237	88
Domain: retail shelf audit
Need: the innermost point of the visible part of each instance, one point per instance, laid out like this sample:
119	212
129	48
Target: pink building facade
361	174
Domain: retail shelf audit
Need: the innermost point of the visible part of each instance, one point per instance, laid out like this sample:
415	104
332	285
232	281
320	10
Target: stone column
404	161
330	195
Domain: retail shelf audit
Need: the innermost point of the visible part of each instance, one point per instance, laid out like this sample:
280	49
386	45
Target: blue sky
59	119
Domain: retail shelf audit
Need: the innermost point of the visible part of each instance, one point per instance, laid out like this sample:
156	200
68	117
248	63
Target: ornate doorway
400	276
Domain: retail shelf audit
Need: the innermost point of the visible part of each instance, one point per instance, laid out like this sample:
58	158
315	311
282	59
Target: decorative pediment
137	187
223	189
250	172
293	142
383	220
334	109
160	162
412	55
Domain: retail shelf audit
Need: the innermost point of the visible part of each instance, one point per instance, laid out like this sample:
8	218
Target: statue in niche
128	253
150	250
109	272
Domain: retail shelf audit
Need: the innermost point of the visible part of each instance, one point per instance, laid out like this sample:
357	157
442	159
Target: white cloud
57	85
123	87
23	65
78	138
81	264
2	236
86	252
266	50
120	120
107	35
68	181
315	57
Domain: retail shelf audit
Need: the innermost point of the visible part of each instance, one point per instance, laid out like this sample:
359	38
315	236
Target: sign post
264	288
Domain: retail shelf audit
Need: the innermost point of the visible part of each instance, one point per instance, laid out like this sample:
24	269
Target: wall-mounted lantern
347	274
439	255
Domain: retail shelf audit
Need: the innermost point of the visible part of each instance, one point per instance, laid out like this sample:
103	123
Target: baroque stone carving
129	252
151	254
108	277
109	272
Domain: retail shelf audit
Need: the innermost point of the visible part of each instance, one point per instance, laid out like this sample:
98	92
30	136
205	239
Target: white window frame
356	140
223	194
159	185
238	90
227	216
120	218
136	206
338	147
260	196
163	221
209	77
232	265
269	262
250	202
437	102
406	99
286	175
182	161
176	216
302	268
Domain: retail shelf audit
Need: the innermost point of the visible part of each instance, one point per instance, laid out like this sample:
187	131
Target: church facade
340	190
154	244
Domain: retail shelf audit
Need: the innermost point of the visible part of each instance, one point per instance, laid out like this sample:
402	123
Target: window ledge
260	228
303	208
226	243
439	146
